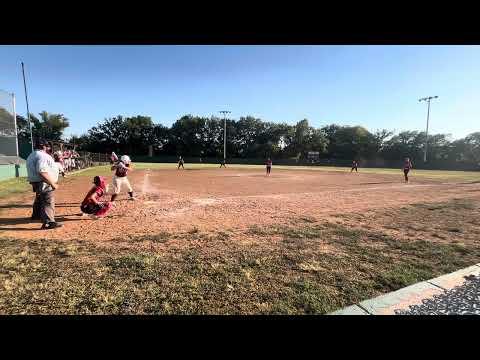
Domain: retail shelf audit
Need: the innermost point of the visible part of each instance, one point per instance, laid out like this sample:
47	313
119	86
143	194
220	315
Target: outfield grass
14	186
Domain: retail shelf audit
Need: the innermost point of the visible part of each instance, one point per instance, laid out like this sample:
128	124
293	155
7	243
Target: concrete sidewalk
445	287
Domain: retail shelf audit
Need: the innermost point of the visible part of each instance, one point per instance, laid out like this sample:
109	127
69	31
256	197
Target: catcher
92	203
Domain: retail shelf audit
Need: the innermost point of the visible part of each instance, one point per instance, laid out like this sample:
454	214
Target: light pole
427	99
225	112
26	100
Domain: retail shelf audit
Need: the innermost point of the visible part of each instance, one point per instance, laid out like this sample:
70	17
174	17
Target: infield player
92	203
180	163
223	164
354	166
406	168
269	166
122	167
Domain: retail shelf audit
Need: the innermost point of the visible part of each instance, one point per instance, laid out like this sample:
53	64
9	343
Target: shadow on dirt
15	206
378	183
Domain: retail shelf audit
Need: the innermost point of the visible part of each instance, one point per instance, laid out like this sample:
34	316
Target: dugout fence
8	127
76	159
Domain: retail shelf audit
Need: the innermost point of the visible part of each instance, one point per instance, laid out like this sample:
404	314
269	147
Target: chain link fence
88	159
8	131
73	160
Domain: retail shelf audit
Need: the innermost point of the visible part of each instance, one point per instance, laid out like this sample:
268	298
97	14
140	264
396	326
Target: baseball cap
40	143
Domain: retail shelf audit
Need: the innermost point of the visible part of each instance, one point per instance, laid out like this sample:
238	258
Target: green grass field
216	275
13	186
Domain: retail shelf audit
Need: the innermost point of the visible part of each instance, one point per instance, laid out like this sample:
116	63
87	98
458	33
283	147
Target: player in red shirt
269	166
92	204
406	168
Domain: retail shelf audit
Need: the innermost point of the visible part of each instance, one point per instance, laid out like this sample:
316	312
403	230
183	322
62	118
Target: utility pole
427	99
26	100
225	112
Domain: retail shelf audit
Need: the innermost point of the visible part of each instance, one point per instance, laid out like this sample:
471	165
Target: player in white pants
122	168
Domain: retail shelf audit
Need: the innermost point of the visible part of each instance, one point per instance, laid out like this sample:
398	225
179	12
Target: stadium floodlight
225	112
427	99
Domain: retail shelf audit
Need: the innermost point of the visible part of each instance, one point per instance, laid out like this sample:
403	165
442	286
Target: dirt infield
232	241
211	200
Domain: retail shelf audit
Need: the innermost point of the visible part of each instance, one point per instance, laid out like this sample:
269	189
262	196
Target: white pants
118	182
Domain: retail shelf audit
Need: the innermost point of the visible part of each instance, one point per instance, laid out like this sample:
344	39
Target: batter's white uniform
120	179
119	182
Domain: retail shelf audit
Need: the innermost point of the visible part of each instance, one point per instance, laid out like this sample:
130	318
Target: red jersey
407	165
269	162
97	191
121	169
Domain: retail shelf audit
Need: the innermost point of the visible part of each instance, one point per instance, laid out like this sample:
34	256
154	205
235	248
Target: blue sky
373	86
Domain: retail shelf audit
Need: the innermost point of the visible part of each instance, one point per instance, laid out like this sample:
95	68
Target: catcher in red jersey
122	167
92	203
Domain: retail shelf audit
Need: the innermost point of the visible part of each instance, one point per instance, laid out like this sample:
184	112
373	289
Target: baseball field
205	240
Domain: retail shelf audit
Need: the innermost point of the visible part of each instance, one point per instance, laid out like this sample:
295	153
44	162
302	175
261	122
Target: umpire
43	175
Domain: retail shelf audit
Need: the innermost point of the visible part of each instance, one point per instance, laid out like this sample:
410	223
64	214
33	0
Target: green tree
132	135
110	135
405	144
140	134
352	142
187	135
302	131
49	126
471	148
23	129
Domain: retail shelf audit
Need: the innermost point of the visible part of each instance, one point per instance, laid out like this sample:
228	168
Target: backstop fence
77	160
8	127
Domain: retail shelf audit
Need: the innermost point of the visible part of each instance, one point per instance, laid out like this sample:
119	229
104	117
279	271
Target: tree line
253	138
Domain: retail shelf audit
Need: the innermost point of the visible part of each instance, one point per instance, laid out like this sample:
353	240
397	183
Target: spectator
58	162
